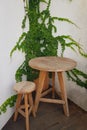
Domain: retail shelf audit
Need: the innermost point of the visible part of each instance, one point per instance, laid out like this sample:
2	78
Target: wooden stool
24	91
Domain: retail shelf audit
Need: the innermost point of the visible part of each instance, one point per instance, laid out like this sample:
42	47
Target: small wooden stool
24	91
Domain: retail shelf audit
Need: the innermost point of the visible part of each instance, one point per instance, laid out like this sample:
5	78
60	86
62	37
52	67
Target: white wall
11	14
77	12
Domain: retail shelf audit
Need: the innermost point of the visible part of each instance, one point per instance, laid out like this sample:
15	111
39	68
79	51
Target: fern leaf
44	1
82	52
65	20
17	46
24	22
75	43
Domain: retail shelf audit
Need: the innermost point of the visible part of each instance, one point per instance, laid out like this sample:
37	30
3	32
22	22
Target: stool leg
17	106
31	104
53	84
26	111
42	77
63	93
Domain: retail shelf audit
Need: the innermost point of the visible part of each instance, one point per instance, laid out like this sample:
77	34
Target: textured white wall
11	14
77	12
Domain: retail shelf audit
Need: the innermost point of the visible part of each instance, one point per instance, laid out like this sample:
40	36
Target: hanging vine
40	41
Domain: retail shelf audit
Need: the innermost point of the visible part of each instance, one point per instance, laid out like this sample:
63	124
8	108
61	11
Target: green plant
40	41
8	103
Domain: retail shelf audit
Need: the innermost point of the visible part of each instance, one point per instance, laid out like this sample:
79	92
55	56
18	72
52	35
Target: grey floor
51	117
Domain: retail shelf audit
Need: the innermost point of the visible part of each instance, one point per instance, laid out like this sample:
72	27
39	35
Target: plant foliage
8	103
40	41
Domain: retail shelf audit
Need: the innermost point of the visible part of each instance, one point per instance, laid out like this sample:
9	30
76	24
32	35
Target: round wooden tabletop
52	63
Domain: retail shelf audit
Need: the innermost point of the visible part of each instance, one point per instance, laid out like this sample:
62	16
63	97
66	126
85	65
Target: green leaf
44	1
9	102
17	46
64	19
